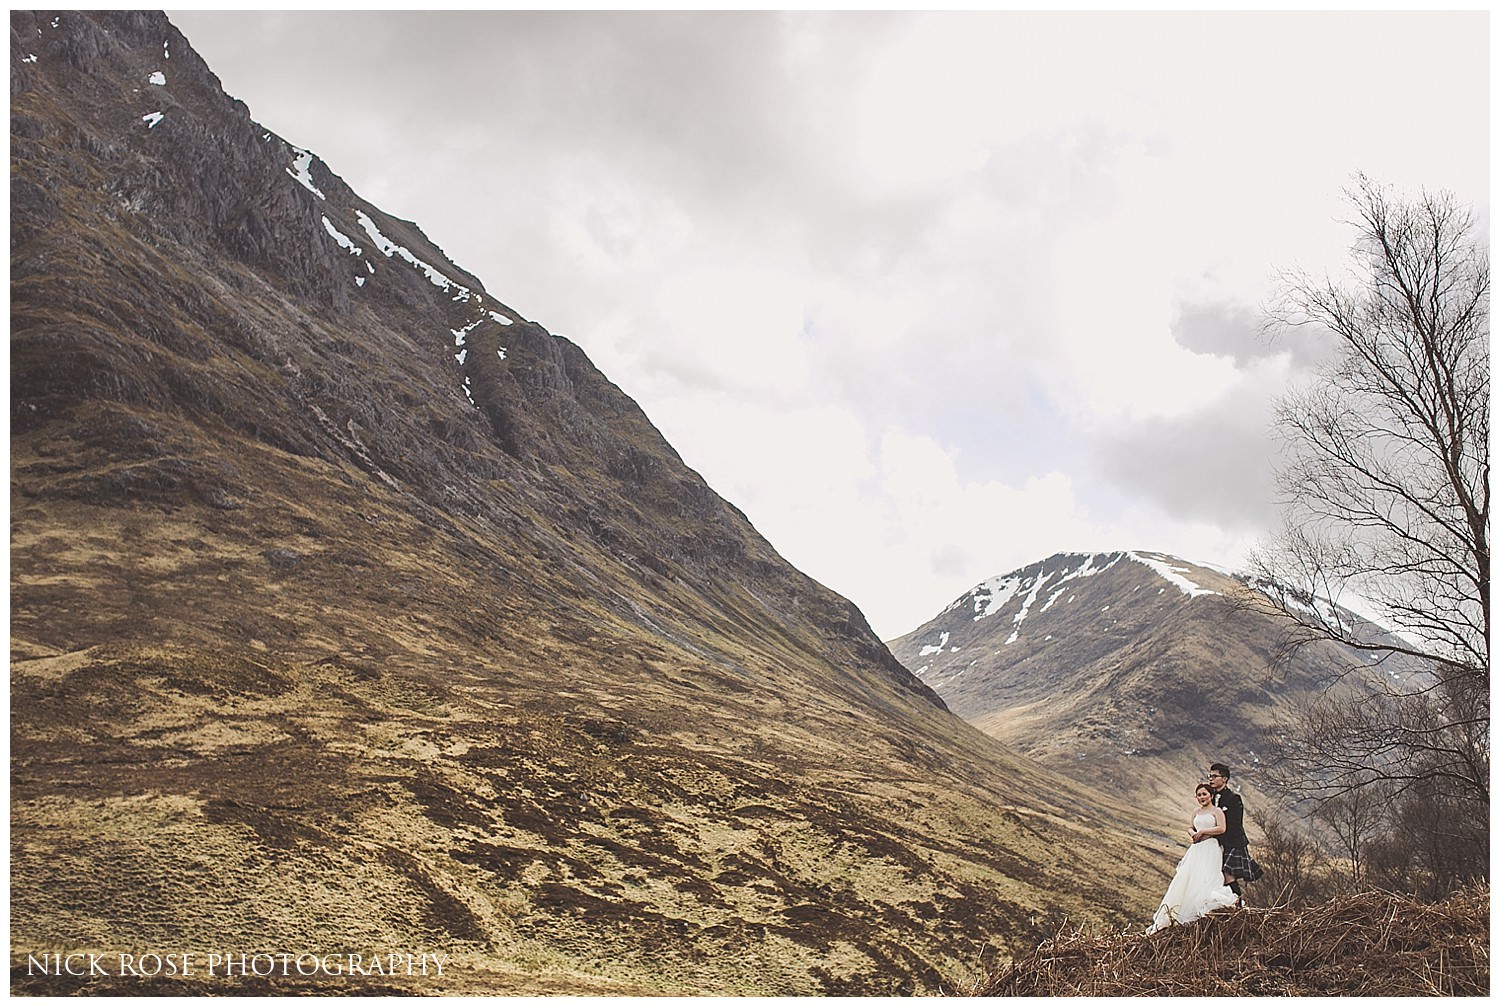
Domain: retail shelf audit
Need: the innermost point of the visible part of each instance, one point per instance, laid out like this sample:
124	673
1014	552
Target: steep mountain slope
354	613
1131	670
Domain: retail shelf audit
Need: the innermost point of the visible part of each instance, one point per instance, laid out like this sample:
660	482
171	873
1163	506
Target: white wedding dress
1198	886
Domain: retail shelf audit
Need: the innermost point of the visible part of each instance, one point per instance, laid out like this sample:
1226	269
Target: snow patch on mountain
992	596
1057	578
461	336
1026	607
937	648
343	239
390	249
1163	567
301	170
347	243
1319	611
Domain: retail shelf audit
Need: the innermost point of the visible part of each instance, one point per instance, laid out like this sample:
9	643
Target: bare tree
1386	487
1293	863
1354	817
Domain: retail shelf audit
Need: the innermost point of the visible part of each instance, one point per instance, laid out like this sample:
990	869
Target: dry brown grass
1370	944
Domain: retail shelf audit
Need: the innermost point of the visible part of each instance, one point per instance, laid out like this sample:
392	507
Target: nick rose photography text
188	964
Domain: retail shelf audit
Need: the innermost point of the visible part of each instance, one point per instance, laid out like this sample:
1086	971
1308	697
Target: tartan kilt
1238	863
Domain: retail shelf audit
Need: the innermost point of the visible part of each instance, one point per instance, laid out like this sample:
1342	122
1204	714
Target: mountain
355	614
1131	670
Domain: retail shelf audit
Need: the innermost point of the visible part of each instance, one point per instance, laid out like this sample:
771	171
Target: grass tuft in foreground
1369	944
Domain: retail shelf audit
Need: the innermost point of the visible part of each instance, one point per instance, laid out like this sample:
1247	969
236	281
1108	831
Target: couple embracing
1210	873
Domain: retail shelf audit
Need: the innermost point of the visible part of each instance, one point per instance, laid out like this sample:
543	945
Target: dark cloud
1215	466
1222	330
1243	335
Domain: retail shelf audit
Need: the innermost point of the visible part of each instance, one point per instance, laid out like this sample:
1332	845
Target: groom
1237	863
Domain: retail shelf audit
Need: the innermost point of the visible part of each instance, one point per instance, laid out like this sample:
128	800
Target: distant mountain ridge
989	597
1132	670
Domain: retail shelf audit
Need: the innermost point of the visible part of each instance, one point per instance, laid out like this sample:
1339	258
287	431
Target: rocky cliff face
354	612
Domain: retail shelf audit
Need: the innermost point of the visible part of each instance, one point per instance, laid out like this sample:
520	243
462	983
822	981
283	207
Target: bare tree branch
1386	511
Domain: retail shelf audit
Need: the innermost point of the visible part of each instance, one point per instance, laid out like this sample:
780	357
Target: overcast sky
928	296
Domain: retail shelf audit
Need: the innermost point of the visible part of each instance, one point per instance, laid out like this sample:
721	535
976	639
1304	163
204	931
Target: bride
1198	886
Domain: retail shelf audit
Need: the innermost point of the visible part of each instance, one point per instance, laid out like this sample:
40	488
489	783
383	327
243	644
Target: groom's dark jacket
1234	819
